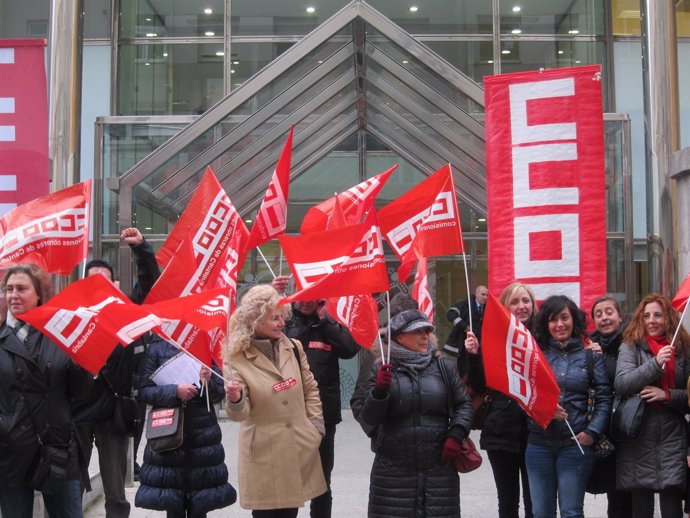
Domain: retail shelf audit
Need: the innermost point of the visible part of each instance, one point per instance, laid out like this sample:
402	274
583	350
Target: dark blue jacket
569	364
194	477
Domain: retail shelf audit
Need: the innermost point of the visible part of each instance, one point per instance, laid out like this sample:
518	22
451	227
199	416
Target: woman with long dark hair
559	459
648	364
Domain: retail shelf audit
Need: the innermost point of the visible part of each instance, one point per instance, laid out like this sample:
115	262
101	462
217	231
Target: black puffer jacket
35	392
325	341
408	478
194	477
569	364
656	459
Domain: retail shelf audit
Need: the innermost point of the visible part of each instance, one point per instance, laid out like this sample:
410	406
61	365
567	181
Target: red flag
354	202
51	231
89	318
345	261
211	219
515	365
207	310
360	314
681	299
337	218
180	276
547	196
423	222
271	219
420	290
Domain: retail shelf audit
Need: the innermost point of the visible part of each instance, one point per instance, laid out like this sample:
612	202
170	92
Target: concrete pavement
350	481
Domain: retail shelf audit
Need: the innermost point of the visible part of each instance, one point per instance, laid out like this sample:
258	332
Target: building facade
169	87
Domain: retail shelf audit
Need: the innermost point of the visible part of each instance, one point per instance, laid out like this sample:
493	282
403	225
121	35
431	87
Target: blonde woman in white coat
276	399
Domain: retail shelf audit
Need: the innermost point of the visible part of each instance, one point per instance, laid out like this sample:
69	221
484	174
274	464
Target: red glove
384	377
451	450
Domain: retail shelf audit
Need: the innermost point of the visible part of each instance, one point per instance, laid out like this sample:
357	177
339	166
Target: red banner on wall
24	167
545	172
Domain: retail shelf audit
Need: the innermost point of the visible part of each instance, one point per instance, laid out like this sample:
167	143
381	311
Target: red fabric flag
515	365
420	290
180	276
89	318
337	218
360	314
207	310
52	231
345	261
423	222
211	219
681	299
545	168
354	202
271	220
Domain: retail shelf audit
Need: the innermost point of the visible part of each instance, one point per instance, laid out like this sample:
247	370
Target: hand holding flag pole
574	437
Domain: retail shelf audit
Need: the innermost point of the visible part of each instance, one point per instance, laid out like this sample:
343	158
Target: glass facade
172	60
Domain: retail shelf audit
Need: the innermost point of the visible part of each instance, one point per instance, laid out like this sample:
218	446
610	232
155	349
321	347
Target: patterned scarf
411	360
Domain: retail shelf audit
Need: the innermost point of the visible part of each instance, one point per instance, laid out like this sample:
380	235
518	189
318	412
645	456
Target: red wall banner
24	166
546	184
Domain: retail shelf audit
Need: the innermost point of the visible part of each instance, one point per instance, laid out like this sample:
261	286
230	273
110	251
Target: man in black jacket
94	414
459	315
325	341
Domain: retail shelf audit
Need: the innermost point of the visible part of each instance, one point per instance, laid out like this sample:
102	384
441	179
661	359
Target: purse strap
446	382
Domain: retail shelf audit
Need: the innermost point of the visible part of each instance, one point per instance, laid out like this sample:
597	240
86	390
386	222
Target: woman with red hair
648	364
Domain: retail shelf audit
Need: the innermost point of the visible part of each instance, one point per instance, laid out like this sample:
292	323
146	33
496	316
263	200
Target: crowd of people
413	399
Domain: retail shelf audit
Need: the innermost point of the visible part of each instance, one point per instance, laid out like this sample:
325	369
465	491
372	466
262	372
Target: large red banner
546	185
24	167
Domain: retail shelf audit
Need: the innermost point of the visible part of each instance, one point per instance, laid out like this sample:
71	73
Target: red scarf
668	378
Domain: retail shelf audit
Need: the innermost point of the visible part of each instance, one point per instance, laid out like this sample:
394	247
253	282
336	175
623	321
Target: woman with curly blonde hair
648	365
276	399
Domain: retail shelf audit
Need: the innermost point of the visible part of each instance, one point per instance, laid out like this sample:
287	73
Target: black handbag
126	415
126	412
627	416
49	472
165	428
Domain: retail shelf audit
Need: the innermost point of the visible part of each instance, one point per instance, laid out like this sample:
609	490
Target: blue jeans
18	502
558	473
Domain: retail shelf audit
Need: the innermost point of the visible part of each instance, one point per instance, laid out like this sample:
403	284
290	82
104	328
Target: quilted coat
656	459
279	464
193	477
408	479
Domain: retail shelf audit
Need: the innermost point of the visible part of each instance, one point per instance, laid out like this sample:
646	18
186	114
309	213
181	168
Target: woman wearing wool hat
422	412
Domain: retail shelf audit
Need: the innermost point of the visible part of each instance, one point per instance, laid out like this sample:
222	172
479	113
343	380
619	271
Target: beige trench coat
279	463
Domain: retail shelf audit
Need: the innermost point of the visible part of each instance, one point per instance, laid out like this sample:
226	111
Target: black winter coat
505	427
569	364
118	373
35	391
325	341
408	479
194	477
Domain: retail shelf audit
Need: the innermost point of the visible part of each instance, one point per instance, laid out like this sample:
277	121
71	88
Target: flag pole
574	438
265	261
280	262
182	349
680	322
381	347
467	282
388	306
